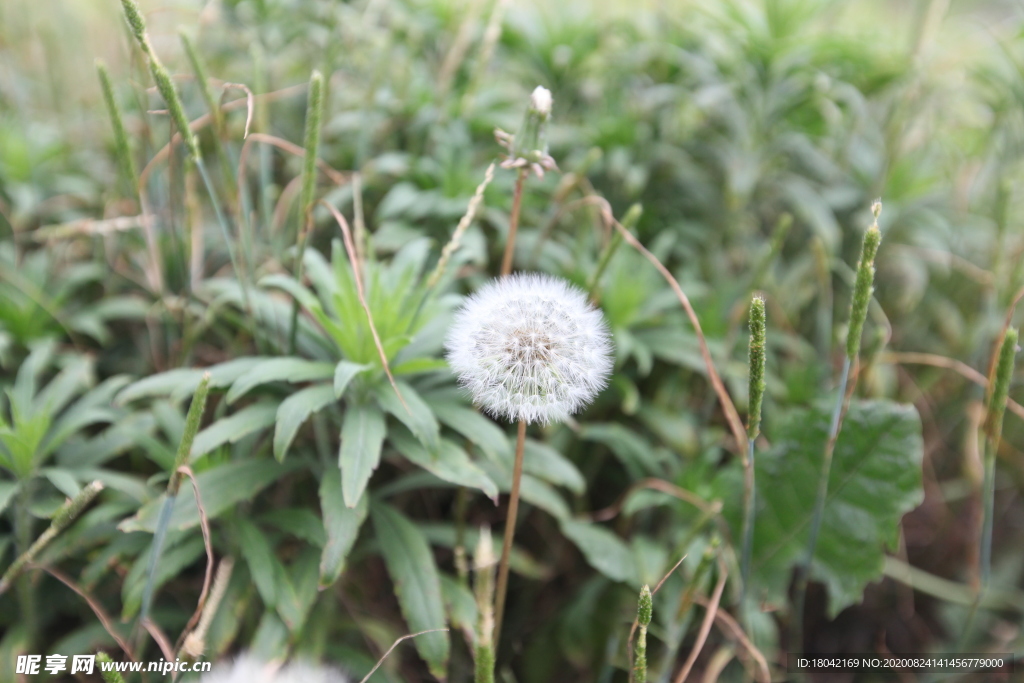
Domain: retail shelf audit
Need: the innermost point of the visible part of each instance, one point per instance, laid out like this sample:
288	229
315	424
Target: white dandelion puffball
530	347
251	669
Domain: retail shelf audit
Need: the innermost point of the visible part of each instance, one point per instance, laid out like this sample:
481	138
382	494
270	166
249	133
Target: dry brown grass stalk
705	627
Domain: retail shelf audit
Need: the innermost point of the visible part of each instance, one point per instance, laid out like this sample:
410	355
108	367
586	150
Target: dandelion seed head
250	669
530	347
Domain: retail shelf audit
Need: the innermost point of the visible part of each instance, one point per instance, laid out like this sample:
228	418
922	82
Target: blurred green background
755	135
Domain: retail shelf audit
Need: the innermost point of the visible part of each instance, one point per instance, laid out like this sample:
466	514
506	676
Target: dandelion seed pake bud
531	140
540	101
530	347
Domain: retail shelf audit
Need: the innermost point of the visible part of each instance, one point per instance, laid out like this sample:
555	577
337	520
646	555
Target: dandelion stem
510	532
513	223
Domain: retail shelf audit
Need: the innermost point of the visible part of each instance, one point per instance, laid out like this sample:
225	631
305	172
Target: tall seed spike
757	363
192	422
123	150
160	76
864	285
1001	385
314	114
645	606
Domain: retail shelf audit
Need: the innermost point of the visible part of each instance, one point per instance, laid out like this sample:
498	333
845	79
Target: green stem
750	494
163	521
804	570
987	509
484	664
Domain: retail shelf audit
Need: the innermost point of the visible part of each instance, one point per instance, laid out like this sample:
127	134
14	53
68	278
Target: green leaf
295	410
7	491
460	603
344	372
221	489
418	418
297	590
486	435
259	555
362	435
279	370
299	522
181	383
271	638
632	450
544	462
415	366
417	582
232	428
288	284
449	462
172	561
605	551
875	479
341	523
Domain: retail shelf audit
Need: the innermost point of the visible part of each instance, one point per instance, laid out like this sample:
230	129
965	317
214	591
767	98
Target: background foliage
755	136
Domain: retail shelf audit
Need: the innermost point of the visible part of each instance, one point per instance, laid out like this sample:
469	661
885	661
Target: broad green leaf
604	551
233	427
443	535
875	479
295	410
181	383
536	492
288	284
297	590
71	422
271	638
279	370
460	603
486	435
411	566
341	523
344	372
362	435
7	491
449	462
259	555
299	522
544	462
72	380
133	486
531	490
633	451
63	480
221	489
172	561
418	418
415	366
